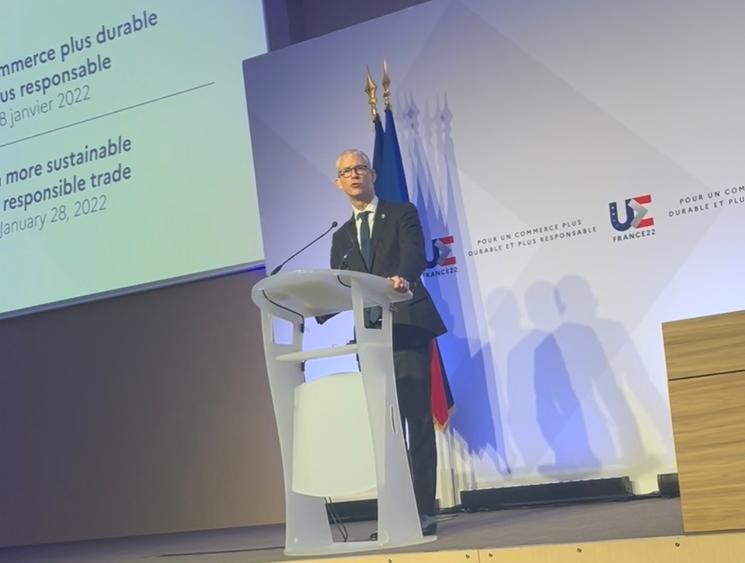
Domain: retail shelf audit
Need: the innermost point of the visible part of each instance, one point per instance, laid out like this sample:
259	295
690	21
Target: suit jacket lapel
379	230
351	228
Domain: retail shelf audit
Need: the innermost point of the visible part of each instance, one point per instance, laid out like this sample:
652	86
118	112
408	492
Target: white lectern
294	296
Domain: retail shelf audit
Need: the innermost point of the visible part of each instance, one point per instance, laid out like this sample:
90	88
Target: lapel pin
382	215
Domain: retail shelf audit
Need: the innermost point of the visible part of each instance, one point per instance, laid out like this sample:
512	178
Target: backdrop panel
581	162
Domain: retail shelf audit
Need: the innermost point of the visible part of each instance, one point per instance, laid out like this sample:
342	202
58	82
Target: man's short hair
355	152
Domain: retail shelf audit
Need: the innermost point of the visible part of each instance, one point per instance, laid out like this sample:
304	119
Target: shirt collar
372	206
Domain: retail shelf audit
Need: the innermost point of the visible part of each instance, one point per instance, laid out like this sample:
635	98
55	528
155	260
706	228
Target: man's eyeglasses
357	170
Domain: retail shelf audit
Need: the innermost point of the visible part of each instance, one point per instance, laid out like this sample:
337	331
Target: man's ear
373	174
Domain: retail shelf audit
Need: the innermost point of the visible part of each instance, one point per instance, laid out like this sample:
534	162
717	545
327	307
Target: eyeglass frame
359	170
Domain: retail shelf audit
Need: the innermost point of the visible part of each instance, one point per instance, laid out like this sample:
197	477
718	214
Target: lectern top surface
313	293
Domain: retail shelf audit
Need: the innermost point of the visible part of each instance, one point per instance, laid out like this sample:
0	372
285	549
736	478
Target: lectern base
339	548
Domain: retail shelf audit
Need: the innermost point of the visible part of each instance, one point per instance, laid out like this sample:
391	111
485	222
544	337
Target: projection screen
125	159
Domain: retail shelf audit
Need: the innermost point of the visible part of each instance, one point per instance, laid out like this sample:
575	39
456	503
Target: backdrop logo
636	214
442	252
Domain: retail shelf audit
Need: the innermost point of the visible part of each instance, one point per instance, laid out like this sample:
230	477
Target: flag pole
371	89
386	86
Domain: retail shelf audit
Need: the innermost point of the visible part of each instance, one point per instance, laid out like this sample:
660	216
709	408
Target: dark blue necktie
365	237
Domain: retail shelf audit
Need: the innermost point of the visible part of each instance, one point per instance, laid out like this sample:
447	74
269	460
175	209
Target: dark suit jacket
397	249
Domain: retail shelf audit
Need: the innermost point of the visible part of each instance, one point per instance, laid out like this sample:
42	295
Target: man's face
354	178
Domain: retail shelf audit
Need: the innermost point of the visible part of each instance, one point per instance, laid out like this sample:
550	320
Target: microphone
343	265
319	237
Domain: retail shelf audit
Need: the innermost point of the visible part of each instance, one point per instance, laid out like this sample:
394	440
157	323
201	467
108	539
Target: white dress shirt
371	207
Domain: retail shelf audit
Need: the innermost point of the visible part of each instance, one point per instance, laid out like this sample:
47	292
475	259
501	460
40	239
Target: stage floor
462	531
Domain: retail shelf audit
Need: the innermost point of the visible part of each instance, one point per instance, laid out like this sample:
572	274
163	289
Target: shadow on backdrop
559	412
591	345
469	364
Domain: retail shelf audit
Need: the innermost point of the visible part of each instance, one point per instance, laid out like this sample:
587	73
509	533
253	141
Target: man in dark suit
386	239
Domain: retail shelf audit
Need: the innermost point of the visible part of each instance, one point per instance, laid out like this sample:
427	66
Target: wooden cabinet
706	376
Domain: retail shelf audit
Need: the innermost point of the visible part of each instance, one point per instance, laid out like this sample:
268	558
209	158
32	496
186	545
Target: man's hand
400	284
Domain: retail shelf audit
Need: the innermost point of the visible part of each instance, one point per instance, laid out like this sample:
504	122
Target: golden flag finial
372	99
386	86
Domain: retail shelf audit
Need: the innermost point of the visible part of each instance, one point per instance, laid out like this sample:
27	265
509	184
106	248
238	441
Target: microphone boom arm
319	237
